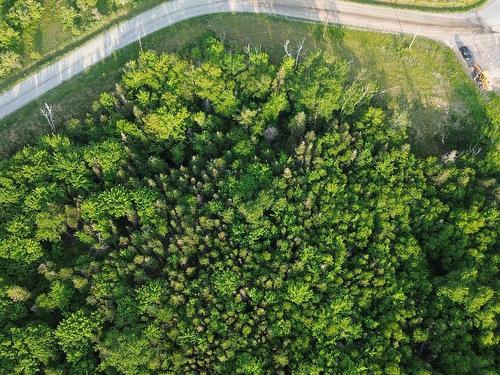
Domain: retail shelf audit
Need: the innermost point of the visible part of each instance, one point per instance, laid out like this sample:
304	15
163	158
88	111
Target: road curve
478	29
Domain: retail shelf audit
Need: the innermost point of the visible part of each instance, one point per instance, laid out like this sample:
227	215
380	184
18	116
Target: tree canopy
219	214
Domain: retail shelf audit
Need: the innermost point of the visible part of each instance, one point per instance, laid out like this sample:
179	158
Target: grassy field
51	40
432	5
426	80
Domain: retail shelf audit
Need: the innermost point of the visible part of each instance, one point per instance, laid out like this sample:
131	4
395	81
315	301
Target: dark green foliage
224	215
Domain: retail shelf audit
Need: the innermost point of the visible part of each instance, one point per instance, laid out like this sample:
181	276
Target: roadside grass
427	80
51	40
429	5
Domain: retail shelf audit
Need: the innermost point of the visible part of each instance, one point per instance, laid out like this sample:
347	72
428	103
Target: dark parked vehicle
466	53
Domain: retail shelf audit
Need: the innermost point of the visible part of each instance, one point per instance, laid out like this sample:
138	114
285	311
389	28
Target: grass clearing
429	5
426	80
51	40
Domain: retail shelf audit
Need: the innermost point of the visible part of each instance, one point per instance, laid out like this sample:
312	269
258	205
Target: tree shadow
38	40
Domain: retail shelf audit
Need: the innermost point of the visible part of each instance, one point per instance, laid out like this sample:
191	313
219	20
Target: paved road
480	29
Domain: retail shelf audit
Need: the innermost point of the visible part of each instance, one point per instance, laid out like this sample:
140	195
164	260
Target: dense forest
217	214
20	21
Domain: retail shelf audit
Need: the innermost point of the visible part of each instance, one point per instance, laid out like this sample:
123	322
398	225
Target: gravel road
479	29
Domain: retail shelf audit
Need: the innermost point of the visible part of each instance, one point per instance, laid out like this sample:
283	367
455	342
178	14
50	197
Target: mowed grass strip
427	80
429	5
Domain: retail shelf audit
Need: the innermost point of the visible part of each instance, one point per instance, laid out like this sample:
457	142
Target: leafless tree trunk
46	111
248	49
474	150
450	157
289	53
299	50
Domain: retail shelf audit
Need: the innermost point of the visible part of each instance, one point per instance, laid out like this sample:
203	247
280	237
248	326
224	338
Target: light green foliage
130	353
248	364
27	350
9	37
18	21
299	293
23	250
105	159
50	226
17	293
225	282
225	215
318	89
149	296
59	296
23	14
9	61
165	125
75	335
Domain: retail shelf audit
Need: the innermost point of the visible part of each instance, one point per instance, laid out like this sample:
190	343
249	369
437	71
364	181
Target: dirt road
479	29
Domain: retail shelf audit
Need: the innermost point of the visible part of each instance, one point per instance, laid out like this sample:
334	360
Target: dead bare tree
294	55
46	111
249	50
287	51
474	150
359	82
299	50
360	98
270	133
443	137
450	157
382	92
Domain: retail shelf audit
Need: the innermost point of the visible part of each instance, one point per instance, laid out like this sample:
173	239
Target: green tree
76	334
219	214
28	350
